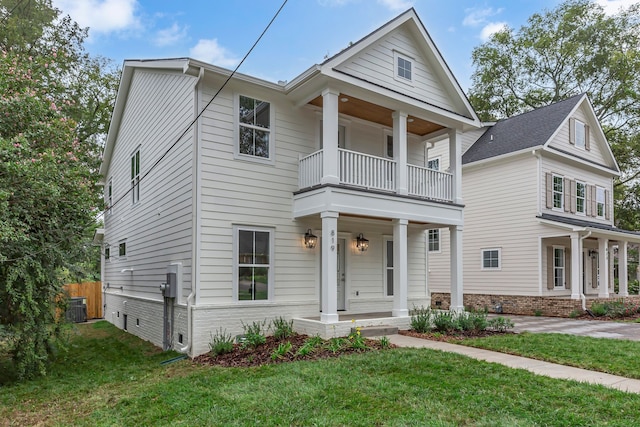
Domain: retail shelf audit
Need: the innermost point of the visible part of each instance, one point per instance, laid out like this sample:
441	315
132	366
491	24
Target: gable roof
524	131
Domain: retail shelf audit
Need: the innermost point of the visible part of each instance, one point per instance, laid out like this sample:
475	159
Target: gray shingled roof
584	223
527	130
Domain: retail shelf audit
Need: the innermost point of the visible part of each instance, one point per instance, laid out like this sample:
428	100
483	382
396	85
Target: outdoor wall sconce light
361	243
593	254
310	239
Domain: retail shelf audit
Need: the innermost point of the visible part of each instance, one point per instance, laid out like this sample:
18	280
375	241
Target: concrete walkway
538	367
585	328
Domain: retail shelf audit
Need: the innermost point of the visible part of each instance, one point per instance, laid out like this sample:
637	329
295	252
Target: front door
341	274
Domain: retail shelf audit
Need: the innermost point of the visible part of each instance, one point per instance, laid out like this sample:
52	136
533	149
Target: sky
221	32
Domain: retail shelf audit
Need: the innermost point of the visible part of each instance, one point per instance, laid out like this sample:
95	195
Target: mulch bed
452	336
261	355
587	316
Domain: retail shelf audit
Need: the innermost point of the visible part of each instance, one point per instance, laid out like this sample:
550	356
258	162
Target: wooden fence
92	291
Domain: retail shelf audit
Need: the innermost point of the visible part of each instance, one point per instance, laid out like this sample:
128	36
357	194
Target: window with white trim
135	177
388	268
491	259
107	253
434	240
600	202
403	67
254	271
109	196
389	146
581	197
580	133
434	164
558	192
122	250
254	127
558	267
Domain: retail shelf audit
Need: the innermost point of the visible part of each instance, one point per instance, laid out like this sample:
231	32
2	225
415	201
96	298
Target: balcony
376	173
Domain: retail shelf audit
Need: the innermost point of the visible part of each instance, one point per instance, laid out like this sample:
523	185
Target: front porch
342	327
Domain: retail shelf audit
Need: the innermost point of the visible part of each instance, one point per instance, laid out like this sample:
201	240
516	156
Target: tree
574	48
55	106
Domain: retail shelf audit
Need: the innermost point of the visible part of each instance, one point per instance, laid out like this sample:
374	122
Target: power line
188	128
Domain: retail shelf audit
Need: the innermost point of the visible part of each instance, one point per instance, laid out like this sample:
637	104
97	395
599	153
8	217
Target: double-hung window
580	132
254	268
254	121
558	267
558	192
434	240
600	201
122	250
388	266
581	194
135	177
107	253
491	259
109	196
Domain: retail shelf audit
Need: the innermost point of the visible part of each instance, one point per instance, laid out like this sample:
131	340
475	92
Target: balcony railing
377	173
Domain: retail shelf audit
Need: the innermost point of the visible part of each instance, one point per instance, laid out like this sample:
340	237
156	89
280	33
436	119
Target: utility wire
188	128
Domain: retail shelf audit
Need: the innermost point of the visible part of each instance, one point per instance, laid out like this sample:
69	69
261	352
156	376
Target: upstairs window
579	134
581	194
107	253
403	68
122	249
135	177
109	196
434	240
600	202
254	119
558	192
434	164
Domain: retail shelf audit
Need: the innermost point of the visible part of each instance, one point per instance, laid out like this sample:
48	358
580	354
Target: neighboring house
539	220
309	200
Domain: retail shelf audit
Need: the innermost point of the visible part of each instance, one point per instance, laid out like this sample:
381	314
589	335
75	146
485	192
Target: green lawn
618	357
112	378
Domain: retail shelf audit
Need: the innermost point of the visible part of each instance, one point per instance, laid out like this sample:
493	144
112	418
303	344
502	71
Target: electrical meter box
170	287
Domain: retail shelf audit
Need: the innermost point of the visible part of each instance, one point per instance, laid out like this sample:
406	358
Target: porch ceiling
364	110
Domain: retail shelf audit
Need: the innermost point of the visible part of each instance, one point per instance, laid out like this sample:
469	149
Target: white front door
341	274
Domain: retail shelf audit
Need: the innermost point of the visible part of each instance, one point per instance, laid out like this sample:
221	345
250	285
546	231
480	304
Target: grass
112	378
597	354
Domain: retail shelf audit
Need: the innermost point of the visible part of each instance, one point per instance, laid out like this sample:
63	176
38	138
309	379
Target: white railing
367	171
429	183
310	172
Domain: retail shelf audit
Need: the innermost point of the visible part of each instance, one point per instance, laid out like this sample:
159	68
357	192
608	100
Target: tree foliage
572	49
55	103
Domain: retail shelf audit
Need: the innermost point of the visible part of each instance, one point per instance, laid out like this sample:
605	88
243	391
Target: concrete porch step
376	331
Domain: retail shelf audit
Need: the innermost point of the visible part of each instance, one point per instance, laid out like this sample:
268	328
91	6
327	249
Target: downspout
582	297
427	146
195	277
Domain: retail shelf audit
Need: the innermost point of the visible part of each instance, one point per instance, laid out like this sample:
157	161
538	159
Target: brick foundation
523	305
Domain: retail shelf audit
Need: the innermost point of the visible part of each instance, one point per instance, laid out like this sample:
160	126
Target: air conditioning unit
77	310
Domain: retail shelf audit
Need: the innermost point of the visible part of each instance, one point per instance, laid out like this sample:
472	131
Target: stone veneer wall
523	305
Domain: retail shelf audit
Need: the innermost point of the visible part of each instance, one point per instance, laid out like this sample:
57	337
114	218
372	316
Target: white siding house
229	200
539	220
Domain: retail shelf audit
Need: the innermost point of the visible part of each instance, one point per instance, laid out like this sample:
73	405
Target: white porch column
329	267
400	267
611	268
576	255
457	292
623	285
400	150
455	164
603	268
330	137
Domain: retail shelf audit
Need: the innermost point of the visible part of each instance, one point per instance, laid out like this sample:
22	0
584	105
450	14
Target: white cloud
476	17
612	7
170	36
396	4
101	16
491	28
210	51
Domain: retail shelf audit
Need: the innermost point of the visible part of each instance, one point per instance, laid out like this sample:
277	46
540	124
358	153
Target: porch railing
372	172
367	171
429	183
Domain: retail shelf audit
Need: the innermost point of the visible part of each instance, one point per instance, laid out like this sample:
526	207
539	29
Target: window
558	192
135	177
404	68
558	267
254	264
434	240
122	249
581	193
254	118
388	265
434	164
389	147
109	196
107	253
580	134
491	259
600	201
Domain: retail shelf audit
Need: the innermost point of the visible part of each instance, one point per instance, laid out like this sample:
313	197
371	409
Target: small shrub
598	309
336	344
421	319
500	324
254	334
282	349
476	320
357	340
282	328
310	346
221	342
384	342
574	314
444	321
633	287
463	322
537	312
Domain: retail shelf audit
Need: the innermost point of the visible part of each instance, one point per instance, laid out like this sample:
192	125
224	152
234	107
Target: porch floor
359	316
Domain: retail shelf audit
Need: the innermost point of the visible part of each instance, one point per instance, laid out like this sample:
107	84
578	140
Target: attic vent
490	137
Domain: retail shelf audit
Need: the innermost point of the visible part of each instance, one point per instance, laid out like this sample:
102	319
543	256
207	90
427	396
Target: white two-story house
310	200
539	229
